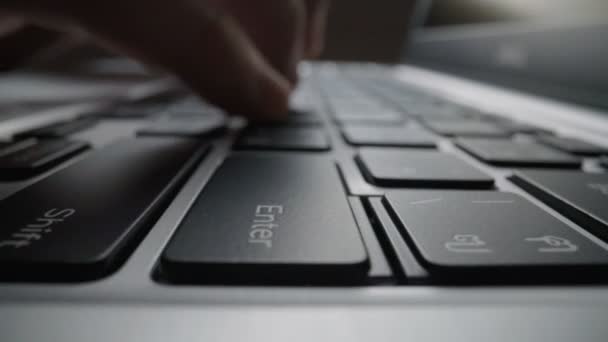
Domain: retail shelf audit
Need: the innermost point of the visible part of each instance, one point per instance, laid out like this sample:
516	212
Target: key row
492	237
494	151
292	225
457	120
292	222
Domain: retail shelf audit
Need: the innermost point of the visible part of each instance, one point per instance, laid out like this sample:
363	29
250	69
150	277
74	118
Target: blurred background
361	30
554	48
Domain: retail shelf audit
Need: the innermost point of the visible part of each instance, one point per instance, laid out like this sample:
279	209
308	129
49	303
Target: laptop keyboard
38	156
369	182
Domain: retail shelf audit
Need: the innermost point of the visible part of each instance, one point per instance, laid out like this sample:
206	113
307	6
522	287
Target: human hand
241	55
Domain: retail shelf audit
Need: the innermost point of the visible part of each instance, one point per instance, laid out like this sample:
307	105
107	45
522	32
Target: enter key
268	219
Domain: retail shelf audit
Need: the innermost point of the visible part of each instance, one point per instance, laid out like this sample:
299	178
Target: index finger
202	45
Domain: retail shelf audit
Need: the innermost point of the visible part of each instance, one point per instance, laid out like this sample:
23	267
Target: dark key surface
582	197
283	138
378	118
460	234
5	144
7	148
604	161
60	130
303	117
466	128
503	152
82	221
297	117
572	145
398	136
416	168
268	219
38	157
198	125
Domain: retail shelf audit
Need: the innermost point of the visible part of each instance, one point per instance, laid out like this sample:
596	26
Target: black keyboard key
82	221
283	138
7	148
422	169
197	126
466	128
295	118
38	157
398	136
301	118
474	236
60	130
5	144
269	219
604	161
379	118
582	197
514	153
572	145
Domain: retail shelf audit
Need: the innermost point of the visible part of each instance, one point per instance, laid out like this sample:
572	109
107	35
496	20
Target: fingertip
273	104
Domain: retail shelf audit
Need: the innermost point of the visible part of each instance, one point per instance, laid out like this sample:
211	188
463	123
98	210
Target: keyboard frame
129	305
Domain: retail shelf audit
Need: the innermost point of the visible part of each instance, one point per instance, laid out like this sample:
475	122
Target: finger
277	28
316	19
202	46
20	43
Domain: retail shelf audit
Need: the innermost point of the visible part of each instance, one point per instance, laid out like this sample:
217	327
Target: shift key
269	219
82	221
